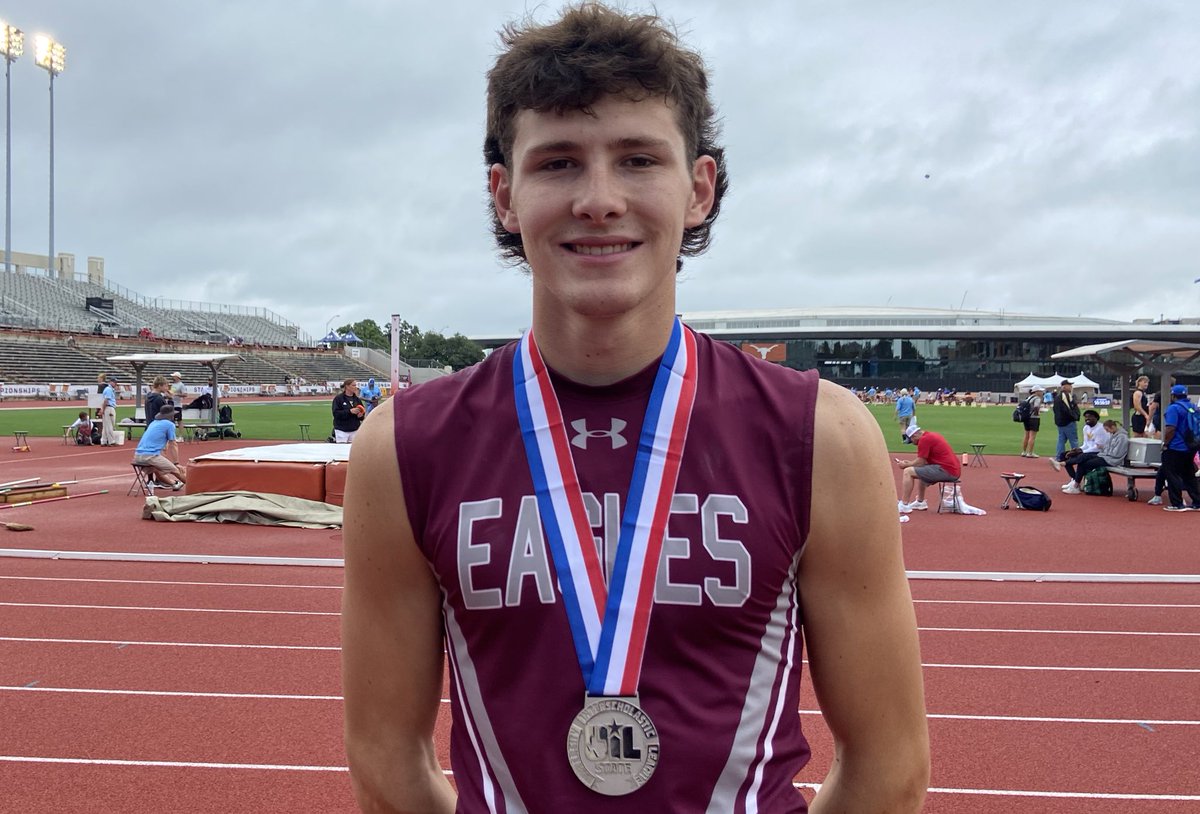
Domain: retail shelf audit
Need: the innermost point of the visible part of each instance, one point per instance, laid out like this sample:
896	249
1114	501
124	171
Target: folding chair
955	500
143	479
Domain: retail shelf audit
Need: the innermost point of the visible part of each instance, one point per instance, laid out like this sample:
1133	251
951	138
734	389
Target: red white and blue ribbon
608	624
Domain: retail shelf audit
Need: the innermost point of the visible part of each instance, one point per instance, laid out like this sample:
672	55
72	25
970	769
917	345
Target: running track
148	687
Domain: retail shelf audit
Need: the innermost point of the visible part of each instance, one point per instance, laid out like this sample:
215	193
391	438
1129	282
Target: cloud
316	159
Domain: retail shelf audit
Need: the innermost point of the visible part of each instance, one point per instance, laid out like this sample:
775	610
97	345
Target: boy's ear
501	189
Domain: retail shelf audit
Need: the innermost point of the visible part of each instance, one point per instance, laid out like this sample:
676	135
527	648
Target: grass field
268	421
280	421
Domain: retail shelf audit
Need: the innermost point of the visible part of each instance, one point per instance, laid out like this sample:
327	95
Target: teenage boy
622	611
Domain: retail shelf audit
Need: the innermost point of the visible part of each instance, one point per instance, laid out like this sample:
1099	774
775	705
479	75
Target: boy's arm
859	623
392	650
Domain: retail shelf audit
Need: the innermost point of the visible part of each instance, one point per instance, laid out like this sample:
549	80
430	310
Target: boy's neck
600	352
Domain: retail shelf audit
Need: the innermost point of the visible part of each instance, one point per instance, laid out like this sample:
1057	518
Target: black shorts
1033	423
1138	423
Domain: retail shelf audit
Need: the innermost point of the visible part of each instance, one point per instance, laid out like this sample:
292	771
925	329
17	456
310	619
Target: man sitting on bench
1116	447
1094	438
159	435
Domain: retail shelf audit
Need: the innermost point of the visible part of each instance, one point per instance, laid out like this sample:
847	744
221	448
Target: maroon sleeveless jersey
721	672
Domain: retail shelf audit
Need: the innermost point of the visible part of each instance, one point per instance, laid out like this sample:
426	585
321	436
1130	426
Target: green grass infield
280	421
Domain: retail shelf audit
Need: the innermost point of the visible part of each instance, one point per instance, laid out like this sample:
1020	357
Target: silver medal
612	745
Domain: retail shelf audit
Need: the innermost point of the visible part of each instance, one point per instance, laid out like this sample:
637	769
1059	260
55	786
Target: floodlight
12	41
49	54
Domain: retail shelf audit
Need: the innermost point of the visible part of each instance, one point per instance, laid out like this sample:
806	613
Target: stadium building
930	348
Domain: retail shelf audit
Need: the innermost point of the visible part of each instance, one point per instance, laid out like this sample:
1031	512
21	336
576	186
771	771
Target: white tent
1052	382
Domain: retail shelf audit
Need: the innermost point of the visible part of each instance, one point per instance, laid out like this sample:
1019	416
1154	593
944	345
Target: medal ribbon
608	625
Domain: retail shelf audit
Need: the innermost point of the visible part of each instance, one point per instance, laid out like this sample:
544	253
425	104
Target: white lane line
177	582
169	764
127	556
278	767
167	610
128	642
177	694
1029	667
1063	669
1173	606
1049	632
811	712
1068	795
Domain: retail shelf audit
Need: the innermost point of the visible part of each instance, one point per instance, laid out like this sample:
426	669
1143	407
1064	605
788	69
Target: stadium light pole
52	56
12	45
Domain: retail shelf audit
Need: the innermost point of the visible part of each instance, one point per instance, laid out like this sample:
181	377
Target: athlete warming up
591	528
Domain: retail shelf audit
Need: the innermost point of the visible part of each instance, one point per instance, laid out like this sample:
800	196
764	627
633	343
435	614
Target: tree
368	331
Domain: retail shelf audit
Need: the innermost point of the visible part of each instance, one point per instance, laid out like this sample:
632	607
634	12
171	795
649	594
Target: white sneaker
1054	462
1034	455
1154	501
1072	489
919	505
903	507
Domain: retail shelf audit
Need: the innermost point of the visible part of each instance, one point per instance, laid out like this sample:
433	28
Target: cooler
1144	451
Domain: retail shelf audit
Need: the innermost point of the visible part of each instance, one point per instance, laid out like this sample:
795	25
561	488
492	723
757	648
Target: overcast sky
323	159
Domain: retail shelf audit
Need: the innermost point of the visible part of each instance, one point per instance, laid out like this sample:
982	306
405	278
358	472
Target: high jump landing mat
309	471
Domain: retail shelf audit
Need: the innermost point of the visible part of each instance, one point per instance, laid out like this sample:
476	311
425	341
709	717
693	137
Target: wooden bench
1132	475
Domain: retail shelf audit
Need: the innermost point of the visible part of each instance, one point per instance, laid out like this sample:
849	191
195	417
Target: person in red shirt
935	463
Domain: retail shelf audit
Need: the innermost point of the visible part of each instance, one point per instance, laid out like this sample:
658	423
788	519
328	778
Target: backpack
1033	499
1097	482
1018	416
1191	429
225	414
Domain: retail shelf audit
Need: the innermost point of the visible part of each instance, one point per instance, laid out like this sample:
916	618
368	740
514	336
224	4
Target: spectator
1177	459
371	395
178	389
906	410
1031	420
1094	439
1140	404
159	437
108	411
1116	448
348	413
82	429
935	463
157	397
1066	414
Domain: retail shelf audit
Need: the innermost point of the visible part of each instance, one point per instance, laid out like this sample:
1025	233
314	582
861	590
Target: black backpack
1031	498
225	414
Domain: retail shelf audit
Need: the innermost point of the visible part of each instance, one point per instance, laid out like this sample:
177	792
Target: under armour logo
583	433
763	350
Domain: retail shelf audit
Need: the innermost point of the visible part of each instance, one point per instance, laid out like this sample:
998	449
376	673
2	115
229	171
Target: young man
1066	417
158	438
623	618
1112	453
1094	438
935	463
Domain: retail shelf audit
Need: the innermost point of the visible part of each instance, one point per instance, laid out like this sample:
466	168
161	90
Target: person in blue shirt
905	409
1176	457
158	437
108	411
370	395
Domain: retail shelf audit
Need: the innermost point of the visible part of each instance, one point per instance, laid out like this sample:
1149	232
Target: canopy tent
331	337
350	336
1131	355
1052	382
212	361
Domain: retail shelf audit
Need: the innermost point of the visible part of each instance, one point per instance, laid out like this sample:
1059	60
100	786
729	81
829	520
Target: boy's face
601	202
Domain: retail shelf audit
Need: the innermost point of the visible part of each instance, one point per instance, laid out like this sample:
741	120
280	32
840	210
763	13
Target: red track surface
155	687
